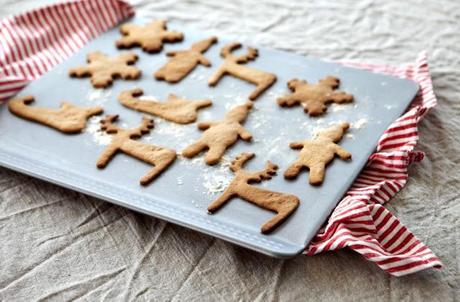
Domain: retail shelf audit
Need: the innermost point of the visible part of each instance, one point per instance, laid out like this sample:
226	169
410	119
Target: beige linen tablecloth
60	245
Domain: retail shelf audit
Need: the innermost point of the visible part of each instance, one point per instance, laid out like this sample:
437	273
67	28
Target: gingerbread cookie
219	135
68	118
174	109
314	97
317	153
233	65
280	203
124	141
150	36
103	69
182	62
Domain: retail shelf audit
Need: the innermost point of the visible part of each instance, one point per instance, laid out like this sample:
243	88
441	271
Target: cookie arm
296	145
342	153
202	60
288	100
341	97
244	134
173	53
206	125
79	71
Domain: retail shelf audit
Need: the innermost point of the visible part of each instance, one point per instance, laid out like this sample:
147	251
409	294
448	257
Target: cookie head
239	113
334	133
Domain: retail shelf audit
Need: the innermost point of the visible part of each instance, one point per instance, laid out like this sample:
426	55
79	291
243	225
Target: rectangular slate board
181	194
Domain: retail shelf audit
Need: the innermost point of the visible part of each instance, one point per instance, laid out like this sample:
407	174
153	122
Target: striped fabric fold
360	221
32	43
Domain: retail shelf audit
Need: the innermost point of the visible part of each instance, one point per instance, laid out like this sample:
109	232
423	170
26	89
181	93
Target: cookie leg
106	156
159	167
293	170
214	154
214	79
194	149
220	201
262	86
317	174
289	204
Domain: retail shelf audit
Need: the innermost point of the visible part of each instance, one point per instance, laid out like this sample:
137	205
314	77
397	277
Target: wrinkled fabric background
60	245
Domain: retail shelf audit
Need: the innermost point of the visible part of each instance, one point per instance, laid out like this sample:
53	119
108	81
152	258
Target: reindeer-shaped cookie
174	109
124	140
317	153
314	97
280	203
150	36
68	118
219	135
233	65
182	62
103	69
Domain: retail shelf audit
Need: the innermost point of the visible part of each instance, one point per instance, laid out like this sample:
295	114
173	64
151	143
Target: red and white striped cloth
360	221
33	42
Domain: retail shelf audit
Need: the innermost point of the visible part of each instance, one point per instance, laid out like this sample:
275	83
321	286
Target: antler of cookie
103	69
183	62
314	97
282	204
68	118
124	141
219	135
317	153
233	65
174	109
150	36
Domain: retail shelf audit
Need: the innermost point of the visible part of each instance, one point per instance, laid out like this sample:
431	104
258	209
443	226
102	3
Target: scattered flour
338	107
98	96
361	123
169	128
215	183
350	136
94	128
148	98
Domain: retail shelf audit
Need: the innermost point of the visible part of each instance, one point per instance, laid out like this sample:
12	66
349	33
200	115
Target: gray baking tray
181	194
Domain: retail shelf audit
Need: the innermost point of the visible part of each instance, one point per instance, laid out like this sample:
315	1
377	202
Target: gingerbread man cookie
280	203
233	65
182	62
314	97
103	69
150	36
68	118
317	153
174	109
124	141
219	135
